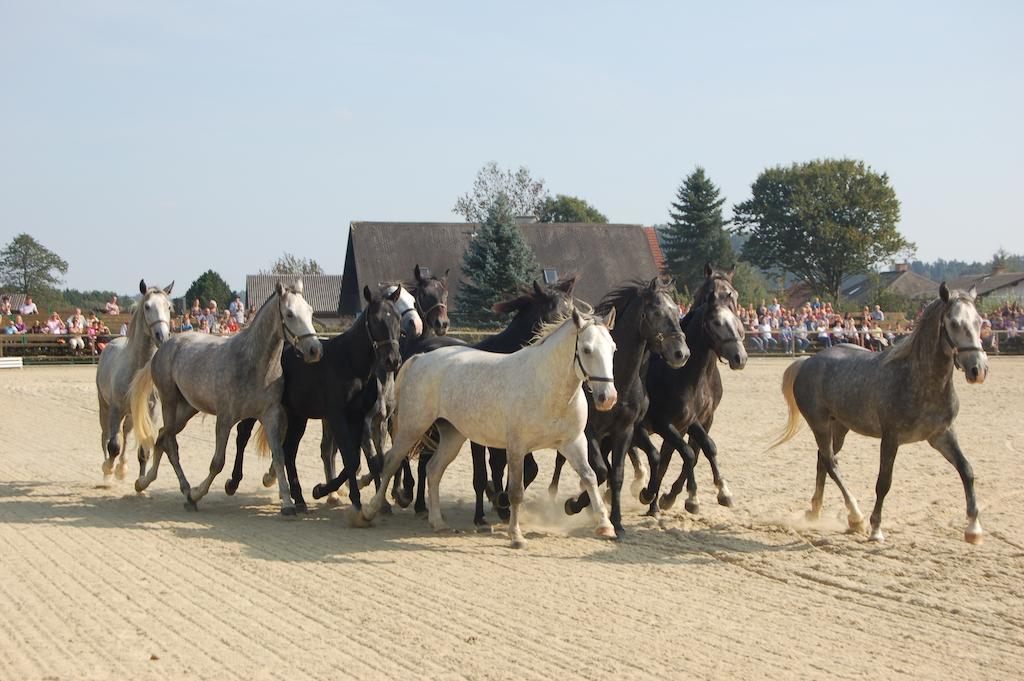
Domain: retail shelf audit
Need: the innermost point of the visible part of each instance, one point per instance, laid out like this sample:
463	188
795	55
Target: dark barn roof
989	282
321	291
859	288
605	255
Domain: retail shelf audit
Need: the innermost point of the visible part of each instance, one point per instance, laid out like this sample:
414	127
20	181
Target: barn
604	254
321	291
997	285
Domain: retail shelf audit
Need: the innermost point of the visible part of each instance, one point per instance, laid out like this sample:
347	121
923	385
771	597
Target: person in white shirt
28	307
237	310
112	307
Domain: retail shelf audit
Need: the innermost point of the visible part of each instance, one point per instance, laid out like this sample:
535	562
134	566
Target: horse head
594	351
722	328
156	310
410	322
297	321
651	310
383	326
961	330
717	288
546	305
431	295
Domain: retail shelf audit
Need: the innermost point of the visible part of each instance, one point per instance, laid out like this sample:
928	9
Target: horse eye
290	315
586	351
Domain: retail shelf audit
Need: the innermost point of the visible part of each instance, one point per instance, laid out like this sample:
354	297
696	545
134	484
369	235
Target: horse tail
794	421
262	443
139	394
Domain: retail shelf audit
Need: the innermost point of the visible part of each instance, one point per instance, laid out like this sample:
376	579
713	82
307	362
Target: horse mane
548	329
708	287
926	331
517	305
621	296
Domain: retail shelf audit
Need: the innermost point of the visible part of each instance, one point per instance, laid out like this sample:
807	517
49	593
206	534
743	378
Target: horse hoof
652	512
333	499
119	472
301	507
365	480
519	543
385	509
570	508
812	516
725	500
876	536
646	497
139	487
503	514
289	511
357	519
483	527
191	505
636	487
606	532
107	467
230	487
975	538
318	490
666	502
692	506
489	491
269	479
421	514
856	524
502	500
402	499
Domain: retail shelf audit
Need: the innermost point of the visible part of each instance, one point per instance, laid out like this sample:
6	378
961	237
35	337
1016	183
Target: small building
996	286
321	291
605	255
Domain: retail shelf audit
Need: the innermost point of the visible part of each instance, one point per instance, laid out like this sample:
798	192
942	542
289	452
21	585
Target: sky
159	140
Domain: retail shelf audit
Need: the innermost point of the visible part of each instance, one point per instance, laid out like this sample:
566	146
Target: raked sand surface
99	583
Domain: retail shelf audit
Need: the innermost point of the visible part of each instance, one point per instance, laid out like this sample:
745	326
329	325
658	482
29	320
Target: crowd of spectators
210	319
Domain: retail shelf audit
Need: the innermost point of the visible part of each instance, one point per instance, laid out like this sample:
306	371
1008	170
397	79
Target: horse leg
242	435
673	438
819	492
620	444
111	417
515	497
401	445
855	519
641	472
104	434
948	446
449	443
595	461
498	460
530	469
122	464
698	435
327	451
556	476
576	454
223	434
292	437
645	494
176	414
479	484
275	422
403	492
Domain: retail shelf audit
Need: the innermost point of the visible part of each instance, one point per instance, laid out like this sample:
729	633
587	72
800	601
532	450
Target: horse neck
140	338
931	358
556	367
702	355
360	351
263	340
631	347
516	335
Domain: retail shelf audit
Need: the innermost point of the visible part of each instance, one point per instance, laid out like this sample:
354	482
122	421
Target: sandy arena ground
98	583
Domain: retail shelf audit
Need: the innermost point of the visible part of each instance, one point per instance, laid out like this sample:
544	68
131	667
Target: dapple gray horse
902	395
235	378
121	359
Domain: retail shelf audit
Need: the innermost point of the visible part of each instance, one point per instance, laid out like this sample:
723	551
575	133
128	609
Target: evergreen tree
696	232
209	286
497	261
27	266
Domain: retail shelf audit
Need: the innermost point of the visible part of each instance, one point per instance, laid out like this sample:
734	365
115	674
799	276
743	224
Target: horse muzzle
312	350
975	367
441	326
605	397
735	354
675	353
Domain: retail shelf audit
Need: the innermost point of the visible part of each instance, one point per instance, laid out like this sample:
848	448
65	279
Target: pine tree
696	232
496	263
209	286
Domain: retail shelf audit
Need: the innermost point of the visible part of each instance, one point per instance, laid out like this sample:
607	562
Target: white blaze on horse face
297	316
963	324
596	349
156	307
412	325
727	331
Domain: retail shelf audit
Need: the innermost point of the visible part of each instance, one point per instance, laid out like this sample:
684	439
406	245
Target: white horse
522	402
120	360
235	378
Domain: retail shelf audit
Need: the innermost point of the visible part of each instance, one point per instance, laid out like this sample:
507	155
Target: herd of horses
593	384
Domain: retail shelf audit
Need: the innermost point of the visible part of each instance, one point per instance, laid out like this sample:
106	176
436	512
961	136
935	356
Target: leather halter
293	338
957	349
587	378
443	307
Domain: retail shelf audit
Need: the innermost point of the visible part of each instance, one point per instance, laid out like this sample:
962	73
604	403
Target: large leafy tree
30	267
523	194
293	264
696	231
496	262
209	286
564	208
822	220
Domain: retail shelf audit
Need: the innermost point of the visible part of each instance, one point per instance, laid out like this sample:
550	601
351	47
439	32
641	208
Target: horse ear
396	294
653	286
537	289
167	289
142	286
577	319
973	292
279	288
944	292
568	284
445	277
729	275
297	286
708	270
609	319
367	294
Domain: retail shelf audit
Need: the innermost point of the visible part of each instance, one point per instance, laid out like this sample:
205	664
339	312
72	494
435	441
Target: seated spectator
838	332
28	308
768	342
204	326
800	341
989	338
123	331
753	334
237	310
186	323
197	309
13	324
1011	330
876	340
786	337
54	326
37	327
823	336
112	307
5	305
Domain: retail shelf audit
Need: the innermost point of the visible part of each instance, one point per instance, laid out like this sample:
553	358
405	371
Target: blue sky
156	140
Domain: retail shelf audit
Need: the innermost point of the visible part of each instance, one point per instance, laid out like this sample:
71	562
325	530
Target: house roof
17	299
987	283
604	254
859	287
321	291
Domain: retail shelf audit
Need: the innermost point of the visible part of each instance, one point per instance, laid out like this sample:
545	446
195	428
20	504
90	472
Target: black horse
646	320
534	307
335	391
683	400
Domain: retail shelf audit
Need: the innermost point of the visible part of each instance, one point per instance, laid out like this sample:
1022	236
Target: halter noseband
293	338
443	307
587	378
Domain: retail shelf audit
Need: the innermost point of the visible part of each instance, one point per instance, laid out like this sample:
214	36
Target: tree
209	286
496	262
292	264
750	283
29	267
696	232
823	221
524	195
564	208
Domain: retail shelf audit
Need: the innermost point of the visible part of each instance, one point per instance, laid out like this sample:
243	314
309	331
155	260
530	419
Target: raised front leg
576	454
826	458
672	437
948	445
223	433
556	476
242	435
